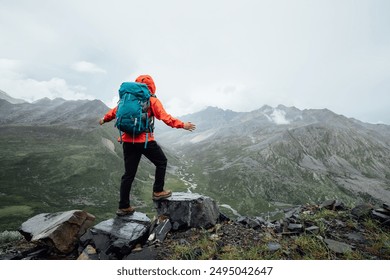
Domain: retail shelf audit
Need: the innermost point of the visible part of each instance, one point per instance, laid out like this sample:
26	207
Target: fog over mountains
55	156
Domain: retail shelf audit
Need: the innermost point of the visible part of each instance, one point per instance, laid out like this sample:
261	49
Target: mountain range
56	157
275	156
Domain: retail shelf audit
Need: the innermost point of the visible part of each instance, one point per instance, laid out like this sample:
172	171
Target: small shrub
9	236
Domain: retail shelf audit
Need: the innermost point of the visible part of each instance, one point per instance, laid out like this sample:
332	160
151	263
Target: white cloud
56	87
87	67
6	63
113	102
234	55
9	68
18	86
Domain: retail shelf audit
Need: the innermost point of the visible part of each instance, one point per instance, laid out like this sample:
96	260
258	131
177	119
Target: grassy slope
251	176
231	241
227	175
49	169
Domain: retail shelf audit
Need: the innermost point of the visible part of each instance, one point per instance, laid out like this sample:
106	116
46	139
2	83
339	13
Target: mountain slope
81	114
5	96
56	157
273	156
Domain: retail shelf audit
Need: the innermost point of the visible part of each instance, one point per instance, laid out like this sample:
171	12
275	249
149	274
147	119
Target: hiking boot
125	211
161	195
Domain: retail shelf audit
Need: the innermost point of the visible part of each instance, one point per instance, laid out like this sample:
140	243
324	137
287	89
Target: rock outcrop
189	210
135	236
184	218
60	230
297	221
117	237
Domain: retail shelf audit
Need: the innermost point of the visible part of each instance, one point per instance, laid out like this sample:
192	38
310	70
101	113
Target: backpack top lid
141	91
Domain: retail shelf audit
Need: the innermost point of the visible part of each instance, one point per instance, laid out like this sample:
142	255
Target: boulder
273	246
117	237
356	237
295	227
337	246
189	210
161	230
60	230
312	230
332	205
379	215
147	253
328	204
254	223
89	253
362	210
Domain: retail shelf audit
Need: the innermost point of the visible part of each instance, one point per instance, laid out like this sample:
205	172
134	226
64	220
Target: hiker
134	146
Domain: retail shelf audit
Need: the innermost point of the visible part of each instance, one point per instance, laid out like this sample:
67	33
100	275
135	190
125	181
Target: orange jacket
156	109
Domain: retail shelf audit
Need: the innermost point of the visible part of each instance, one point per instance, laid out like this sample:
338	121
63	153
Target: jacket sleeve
111	114
160	113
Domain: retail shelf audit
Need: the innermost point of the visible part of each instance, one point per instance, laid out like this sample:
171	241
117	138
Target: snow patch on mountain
275	115
279	117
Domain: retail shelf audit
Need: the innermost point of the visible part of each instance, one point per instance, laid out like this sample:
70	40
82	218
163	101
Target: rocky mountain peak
61	112
286	155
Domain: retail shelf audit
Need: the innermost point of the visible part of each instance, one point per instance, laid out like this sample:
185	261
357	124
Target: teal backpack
132	112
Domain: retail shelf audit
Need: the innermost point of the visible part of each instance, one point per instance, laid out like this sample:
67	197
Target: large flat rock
116	237
188	210
60	230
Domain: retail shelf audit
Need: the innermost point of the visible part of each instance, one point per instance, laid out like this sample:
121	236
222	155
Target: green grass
230	242
9	236
379	238
51	169
15	210
303	247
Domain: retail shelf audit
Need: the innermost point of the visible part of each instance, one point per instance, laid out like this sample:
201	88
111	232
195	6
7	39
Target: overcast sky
237	55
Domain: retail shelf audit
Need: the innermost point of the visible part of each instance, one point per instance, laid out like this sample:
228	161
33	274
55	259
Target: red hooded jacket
156	109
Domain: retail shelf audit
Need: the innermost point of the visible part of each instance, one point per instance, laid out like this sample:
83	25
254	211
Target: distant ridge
283	155
55	155
5	96
252	161
68	113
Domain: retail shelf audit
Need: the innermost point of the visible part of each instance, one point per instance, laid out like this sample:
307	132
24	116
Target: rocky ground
224	235
317	232
327	231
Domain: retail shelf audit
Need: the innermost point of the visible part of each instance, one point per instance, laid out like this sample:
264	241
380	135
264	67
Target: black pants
132	153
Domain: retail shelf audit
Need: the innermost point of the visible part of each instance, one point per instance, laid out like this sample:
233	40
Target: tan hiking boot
125	211
161	195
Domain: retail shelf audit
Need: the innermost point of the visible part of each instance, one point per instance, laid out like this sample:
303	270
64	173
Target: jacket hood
146	79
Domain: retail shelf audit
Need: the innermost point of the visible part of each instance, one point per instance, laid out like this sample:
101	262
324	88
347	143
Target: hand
101	121
189	126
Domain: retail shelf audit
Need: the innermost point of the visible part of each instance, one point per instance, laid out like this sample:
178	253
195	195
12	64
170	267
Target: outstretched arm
189	126
160	113
111	114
